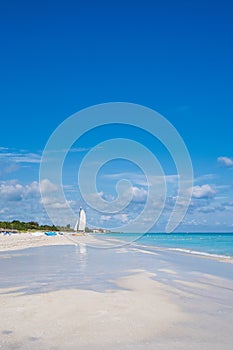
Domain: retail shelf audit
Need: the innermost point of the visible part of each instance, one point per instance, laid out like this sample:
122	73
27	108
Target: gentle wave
215	245
200	253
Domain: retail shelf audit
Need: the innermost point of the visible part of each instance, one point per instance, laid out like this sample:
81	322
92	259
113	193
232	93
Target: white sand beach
109	298
78	319
29	240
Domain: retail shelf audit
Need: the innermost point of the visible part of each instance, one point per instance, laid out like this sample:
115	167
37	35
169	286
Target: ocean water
217	244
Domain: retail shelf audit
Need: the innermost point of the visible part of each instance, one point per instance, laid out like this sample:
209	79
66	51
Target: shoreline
189	252
21	241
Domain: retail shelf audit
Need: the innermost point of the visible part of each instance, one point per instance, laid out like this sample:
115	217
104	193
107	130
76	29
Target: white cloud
46	186
225	161
122	217
94	198
48	202
139	194
32	189
23	202
51	201
136	179
105	217
78	149
12	190
141	179
210	209
72	150
205	177
204	191
58	205
23	156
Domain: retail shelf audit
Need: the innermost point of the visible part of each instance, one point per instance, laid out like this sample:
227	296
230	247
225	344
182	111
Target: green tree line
31	225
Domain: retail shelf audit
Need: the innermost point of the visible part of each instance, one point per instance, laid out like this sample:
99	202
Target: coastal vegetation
17	225
21	226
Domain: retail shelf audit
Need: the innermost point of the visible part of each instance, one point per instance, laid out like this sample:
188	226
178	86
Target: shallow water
43	269
218	244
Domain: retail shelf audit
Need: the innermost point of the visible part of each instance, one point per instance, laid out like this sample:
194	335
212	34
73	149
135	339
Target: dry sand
28	240
81	319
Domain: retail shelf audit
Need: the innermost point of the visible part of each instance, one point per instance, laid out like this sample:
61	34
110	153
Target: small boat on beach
81	222
50	233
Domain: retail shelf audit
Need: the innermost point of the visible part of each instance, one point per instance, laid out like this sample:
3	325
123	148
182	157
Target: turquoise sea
218	244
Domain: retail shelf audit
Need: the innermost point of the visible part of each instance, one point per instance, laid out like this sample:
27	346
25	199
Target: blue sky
58	57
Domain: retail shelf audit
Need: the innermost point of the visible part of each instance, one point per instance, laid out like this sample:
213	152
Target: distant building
100	230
